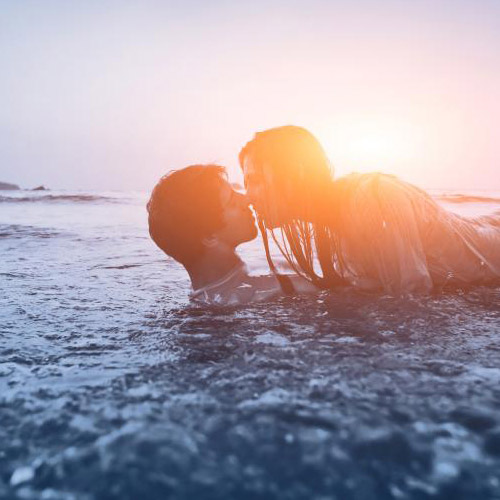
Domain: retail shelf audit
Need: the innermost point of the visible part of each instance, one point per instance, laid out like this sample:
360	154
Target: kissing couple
371	231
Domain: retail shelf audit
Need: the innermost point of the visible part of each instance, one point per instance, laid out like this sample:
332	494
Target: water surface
113	386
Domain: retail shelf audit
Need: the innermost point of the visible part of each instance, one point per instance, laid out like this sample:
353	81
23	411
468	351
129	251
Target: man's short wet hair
185	208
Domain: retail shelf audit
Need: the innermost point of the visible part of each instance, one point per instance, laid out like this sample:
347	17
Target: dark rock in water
40	188
6	186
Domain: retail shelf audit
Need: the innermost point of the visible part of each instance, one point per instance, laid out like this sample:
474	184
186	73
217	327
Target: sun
368	144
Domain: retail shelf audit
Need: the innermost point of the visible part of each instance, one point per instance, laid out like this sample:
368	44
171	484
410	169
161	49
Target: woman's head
286	172
288	180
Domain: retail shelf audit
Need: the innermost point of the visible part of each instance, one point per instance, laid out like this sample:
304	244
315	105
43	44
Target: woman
370	230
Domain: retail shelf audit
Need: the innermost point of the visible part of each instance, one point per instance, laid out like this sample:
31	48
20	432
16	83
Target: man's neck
216	263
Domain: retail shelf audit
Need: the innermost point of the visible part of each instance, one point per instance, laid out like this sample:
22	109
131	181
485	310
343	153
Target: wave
465	198
20	231
94	198
83	198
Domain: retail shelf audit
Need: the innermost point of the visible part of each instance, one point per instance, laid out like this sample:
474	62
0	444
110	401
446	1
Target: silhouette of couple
372	231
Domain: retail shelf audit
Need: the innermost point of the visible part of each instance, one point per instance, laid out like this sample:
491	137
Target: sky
110	95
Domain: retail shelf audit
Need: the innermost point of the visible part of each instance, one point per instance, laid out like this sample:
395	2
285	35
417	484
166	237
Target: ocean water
113	386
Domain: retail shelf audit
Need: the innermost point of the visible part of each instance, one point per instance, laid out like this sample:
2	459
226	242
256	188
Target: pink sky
111	95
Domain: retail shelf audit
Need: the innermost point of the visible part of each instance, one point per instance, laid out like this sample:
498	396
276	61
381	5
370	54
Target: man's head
195	208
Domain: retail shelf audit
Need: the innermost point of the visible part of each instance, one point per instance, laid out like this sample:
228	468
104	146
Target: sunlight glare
367	144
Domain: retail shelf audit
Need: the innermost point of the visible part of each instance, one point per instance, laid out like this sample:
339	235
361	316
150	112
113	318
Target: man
197	218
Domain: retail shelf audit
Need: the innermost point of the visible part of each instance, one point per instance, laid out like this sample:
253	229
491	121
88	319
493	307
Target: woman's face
262	192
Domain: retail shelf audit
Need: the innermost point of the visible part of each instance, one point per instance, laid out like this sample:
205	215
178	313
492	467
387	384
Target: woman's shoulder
376	186
372	198
368	179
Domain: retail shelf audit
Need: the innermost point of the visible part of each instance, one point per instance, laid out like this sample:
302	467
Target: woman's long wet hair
301	172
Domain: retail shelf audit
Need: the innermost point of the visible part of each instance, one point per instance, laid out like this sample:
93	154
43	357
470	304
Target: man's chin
251	235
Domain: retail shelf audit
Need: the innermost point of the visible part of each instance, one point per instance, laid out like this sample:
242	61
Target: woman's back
394	236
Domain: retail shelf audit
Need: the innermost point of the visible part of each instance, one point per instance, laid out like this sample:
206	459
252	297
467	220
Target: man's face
239	222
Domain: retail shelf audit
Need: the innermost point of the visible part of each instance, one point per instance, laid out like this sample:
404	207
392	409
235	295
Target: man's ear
210	241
